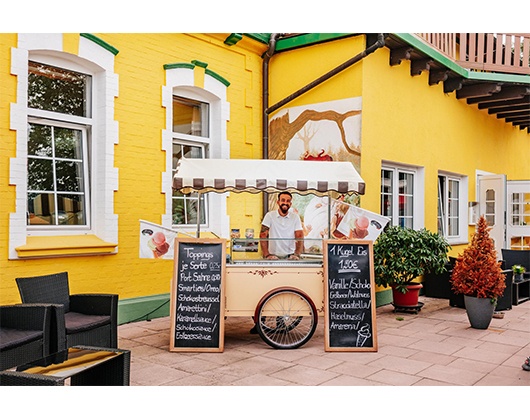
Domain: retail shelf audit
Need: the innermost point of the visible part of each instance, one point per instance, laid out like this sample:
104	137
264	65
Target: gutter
265	96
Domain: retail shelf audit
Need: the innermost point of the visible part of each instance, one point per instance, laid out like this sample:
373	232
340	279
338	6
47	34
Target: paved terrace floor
436	347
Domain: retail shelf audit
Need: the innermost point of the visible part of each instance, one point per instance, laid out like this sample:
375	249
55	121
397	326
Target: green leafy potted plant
518	271
477	275
403	254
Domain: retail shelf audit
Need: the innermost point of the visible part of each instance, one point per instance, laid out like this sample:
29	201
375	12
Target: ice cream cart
284	297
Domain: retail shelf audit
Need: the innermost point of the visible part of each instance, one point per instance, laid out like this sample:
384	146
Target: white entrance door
492	204
518	217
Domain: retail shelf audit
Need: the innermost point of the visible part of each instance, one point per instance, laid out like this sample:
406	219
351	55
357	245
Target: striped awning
252	175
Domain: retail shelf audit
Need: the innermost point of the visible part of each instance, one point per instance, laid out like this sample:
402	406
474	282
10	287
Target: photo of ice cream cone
158	244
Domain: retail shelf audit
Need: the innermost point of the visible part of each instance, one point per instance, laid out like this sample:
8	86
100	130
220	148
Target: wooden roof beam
452	84
477	90
505	103
513	92
514	108
399	54
418	66
436	77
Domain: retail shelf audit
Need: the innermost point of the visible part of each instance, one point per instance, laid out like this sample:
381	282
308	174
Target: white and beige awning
253	175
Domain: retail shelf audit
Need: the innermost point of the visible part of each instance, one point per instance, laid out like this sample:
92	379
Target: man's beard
284	208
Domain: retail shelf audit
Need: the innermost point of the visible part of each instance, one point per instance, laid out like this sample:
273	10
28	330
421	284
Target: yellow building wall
138	154
407	121
404	120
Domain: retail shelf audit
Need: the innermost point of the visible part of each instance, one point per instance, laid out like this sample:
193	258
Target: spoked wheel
287	318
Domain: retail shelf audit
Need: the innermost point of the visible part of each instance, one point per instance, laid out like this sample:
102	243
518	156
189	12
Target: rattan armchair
87	319
24	334
511	257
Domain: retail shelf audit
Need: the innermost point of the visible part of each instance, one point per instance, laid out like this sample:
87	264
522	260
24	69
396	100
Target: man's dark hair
286	193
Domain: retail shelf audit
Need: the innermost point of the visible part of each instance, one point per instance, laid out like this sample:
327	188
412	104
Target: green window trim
197	63
100	42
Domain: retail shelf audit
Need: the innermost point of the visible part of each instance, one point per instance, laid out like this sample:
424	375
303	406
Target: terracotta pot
479	311
409	299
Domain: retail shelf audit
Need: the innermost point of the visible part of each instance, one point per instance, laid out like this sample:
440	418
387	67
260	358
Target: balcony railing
502	53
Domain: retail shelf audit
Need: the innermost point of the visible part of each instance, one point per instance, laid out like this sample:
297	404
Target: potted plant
403	254
478	276
518	271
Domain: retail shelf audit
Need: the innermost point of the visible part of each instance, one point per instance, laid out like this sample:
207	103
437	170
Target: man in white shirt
282	224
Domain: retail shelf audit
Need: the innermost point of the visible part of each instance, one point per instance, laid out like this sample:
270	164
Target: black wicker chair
24	334
87	319
511	257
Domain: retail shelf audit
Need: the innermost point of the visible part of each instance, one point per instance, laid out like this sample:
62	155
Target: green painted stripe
263	38
179	66
307	39
100	42
143	308
199	63
216	76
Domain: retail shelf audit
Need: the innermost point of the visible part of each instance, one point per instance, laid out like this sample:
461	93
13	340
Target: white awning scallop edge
253	175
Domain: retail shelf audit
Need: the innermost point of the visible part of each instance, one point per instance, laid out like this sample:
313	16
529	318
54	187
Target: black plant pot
438	285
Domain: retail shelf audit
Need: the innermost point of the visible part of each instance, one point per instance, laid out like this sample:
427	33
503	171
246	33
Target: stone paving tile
451	375
252	366
153	374
443	347
482	355
357	370
399	364
390	377
303	375
432	357
346	380
319	362
397	351
261	380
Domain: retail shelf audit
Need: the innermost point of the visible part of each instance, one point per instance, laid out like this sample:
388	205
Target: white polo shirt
281	227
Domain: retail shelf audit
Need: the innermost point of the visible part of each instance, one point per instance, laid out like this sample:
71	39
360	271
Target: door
518	215
492	204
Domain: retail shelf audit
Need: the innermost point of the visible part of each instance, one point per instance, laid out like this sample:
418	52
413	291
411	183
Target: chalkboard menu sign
197	295
349	296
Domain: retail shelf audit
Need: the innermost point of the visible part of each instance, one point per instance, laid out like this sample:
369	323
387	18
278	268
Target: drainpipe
378	44
265	97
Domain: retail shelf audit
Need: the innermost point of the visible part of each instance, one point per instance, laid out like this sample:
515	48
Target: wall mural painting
328	131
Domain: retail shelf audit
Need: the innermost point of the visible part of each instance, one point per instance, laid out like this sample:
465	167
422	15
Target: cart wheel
287	318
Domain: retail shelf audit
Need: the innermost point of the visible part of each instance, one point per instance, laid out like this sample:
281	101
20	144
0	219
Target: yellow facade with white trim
404	120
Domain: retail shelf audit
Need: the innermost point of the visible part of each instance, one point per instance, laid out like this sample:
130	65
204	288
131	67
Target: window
452	207
197	112
57	167
190	118
64	170
398	190
57	175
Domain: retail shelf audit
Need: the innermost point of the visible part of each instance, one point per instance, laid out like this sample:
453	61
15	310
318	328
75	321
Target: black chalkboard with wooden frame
197	295
349	296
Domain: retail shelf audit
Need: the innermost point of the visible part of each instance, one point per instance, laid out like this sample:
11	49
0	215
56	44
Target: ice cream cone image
362	335
360	227
158	244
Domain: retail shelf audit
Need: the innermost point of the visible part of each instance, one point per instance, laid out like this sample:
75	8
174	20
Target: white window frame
462	206
86	181
204	197
418	192
181	82
98	62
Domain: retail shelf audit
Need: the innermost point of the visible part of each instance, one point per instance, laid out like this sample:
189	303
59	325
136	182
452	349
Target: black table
521	290
76	366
